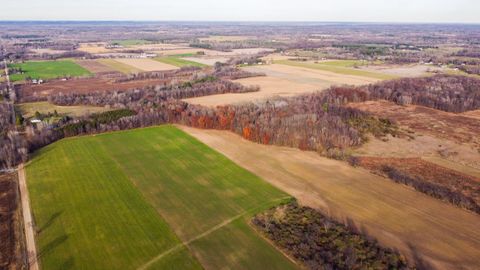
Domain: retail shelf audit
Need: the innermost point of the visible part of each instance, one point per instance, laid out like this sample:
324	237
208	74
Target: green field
131	42
345	67
48	70
178	62
152	198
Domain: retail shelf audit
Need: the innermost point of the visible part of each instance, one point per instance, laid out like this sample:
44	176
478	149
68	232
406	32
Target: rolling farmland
128	199
48	70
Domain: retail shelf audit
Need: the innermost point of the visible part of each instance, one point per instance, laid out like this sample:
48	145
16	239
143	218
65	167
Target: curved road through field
421	227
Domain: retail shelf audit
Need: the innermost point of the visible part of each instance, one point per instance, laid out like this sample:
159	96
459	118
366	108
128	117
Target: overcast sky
467	11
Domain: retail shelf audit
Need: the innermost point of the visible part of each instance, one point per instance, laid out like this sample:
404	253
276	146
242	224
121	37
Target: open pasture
146	64
127	199
48	70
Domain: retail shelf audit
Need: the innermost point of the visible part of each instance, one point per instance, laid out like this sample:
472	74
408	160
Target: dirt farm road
27	219
419	226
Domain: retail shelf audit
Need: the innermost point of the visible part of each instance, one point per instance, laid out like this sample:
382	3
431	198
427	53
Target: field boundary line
27	220
207	232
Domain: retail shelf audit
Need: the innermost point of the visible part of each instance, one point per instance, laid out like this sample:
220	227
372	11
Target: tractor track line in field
206	233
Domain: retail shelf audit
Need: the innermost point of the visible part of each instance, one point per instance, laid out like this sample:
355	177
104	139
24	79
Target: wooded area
318	242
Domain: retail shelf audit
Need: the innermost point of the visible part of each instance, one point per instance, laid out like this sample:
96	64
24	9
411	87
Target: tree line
442	92
316	121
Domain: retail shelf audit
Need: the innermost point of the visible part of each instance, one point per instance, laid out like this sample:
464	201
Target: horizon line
238	21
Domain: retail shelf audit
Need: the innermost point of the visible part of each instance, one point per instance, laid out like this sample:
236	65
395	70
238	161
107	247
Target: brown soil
95	67
444	235
9	223
472	114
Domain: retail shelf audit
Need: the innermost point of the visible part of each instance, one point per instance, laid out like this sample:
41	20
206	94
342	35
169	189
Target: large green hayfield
48	70
153	198
178	62
341	67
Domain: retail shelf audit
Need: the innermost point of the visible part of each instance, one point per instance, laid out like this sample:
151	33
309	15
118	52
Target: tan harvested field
146	64
29	109
282	80
445	236
269	87
404	71
95	66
